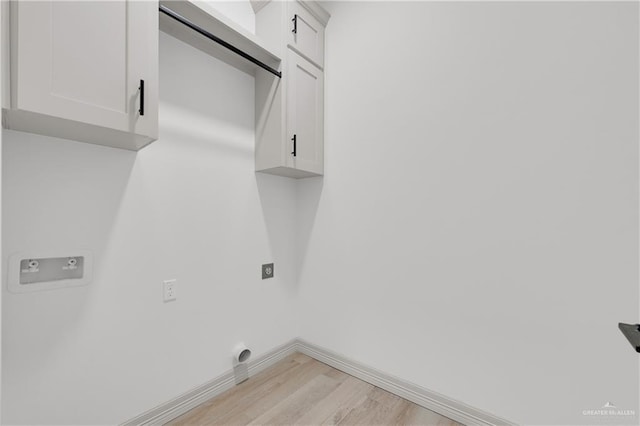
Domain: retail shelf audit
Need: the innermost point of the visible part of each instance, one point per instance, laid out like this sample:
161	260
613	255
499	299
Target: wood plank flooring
302	391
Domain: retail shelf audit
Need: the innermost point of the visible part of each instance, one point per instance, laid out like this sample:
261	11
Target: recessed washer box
39	271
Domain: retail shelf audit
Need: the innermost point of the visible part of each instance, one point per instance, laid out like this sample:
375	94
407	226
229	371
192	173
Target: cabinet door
305	110
306	35
84	60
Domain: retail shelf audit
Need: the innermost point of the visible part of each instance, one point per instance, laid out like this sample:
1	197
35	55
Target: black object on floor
632	333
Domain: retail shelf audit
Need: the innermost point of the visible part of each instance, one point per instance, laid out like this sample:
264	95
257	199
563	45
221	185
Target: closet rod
218	40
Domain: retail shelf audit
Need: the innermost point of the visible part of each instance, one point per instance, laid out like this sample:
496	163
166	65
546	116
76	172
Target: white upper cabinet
85	70
290	111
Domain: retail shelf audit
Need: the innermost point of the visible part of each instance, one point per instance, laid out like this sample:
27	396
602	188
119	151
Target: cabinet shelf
206	17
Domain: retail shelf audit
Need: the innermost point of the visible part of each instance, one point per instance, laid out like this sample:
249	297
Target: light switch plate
267	271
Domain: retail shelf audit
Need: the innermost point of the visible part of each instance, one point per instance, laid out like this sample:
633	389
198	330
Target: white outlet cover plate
166	286
14	270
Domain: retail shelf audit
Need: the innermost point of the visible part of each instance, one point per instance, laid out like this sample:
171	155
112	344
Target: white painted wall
3	99
189	207
476	231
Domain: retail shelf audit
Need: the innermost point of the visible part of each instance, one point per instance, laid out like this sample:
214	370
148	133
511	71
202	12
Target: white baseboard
426	398
191	399
423	397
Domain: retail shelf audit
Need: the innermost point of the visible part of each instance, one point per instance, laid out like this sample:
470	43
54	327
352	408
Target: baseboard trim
191	399
426	398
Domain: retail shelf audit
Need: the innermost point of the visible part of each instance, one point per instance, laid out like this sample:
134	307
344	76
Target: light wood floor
300	390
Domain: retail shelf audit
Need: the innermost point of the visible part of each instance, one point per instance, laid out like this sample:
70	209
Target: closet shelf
207	18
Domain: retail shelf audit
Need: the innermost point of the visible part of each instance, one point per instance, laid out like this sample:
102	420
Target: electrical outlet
267	271
169	287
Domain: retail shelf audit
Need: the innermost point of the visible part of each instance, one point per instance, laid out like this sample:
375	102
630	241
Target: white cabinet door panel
308	38
78	60
305	113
